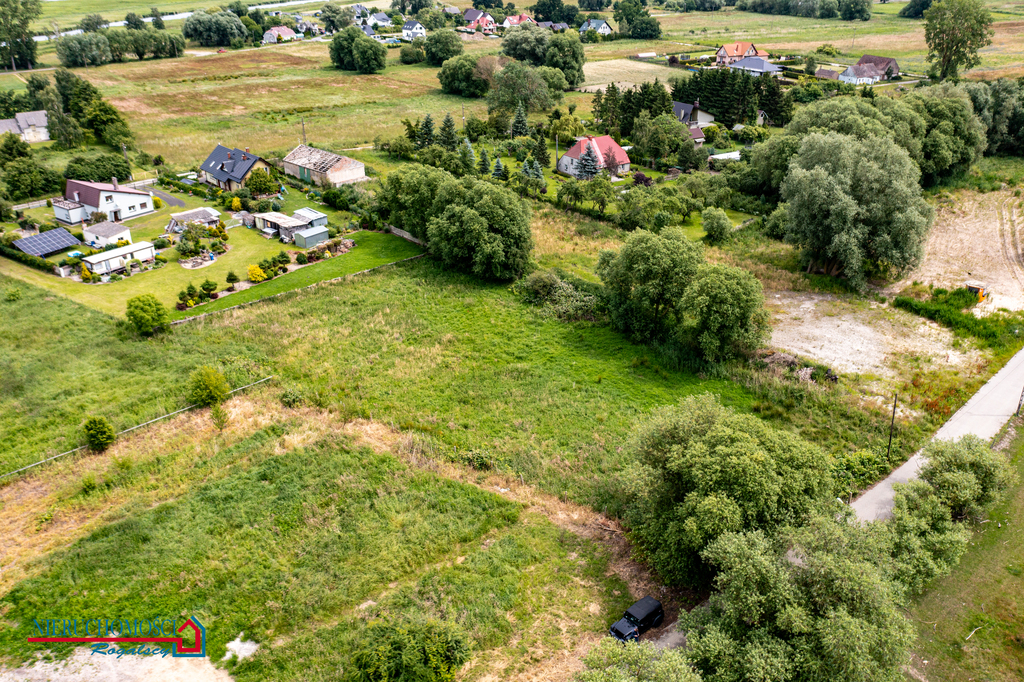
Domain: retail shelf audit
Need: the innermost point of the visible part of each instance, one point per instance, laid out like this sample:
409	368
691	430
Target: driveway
168	199
983	416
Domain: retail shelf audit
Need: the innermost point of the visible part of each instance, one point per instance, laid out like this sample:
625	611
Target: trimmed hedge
31	261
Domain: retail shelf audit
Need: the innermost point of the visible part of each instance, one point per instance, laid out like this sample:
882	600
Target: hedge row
947	309
31	261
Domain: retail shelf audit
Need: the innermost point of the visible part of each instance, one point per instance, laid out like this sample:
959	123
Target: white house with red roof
733	52
478	20
610	156
517	20
82	199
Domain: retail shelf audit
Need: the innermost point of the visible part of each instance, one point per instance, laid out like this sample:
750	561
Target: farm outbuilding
313	217
322	167
310	237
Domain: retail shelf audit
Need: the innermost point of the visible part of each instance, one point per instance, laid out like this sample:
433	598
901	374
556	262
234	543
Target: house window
142	206
131	208
110	198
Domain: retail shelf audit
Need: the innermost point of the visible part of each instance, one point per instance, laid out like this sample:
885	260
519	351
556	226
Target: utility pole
854	37
463	119
124	151
1019	404
891	425
303	119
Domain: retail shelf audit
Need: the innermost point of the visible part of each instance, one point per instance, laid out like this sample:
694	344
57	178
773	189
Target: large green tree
212	30
341	48
526	42
702	470
955	30
565	52
516	84
855	204
458	77
17	46
336	17
369	56
724	308
645	280
441	46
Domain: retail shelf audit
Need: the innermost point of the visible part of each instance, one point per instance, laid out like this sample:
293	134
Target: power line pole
303	119
891	425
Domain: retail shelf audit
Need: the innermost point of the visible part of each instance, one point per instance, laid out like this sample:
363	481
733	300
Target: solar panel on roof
44	244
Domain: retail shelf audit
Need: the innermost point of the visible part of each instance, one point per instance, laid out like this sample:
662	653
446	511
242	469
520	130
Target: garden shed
312	216
310	237
116	259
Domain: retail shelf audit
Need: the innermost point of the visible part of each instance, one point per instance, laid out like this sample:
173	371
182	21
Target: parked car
638	619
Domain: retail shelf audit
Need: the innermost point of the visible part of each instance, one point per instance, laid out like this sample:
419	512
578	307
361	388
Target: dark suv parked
638	619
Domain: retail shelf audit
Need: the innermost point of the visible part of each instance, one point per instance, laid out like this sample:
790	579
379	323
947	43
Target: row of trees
217	29
848	10
616	110
17	46
536	46
103	47
734	96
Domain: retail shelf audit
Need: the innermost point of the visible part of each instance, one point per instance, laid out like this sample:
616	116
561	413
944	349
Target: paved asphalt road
168	199
983	415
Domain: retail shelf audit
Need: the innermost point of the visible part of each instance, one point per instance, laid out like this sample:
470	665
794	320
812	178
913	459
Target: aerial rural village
577	341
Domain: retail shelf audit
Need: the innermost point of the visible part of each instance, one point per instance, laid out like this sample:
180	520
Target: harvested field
978	237
625	73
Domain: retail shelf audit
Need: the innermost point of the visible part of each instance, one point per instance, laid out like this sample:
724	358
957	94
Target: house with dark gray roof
412	30
755	66
887	66
599	25
209	217
30	126
692	114
228	169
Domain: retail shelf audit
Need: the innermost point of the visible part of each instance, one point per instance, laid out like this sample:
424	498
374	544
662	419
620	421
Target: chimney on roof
113	181
229	154
246	150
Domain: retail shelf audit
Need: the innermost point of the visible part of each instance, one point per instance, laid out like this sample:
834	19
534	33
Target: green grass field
982	599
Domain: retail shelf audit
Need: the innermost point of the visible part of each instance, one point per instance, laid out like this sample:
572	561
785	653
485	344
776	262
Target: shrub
291	398
301	259
724	306
12	294
716	224
207	387
776	224
161	243
99	433
219	417
967	475
232	278
432	651
256	274
146	314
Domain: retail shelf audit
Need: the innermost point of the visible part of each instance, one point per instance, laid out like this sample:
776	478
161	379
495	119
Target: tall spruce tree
538	172
467	156
505	173
597	105
485	163
425	136
499	170
612	104
589	165
520	126
541	153
448	137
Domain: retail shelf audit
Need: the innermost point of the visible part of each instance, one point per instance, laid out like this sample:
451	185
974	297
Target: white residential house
412	30
117	259
692	114
30	126
102	234
861	74
280	34
610	156
379	19
600	25
82	199
516	20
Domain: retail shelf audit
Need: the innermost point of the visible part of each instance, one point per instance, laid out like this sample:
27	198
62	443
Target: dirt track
979	237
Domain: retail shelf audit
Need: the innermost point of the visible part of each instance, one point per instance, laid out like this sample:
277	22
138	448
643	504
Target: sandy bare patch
83	666
976	238
859	338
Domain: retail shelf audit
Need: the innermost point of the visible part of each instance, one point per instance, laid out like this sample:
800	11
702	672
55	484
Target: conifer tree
541	153
612	104
505	173
589	165
520	126
597	105
485	163
538	172
447	136
470	153
499	170
426	133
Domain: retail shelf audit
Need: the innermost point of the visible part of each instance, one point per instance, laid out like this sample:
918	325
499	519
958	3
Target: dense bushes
997	330
431	651
469	224
352	50
146	314
207	386
213	30
95	49
98	168
31	261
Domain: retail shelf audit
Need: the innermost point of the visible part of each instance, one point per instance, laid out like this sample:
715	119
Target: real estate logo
104	633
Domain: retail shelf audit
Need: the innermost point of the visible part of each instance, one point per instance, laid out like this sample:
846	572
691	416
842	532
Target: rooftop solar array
47	243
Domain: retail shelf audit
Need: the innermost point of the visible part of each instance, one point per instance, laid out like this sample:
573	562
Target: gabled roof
882	63
412	25
308	214
682	111
863	71
105	229
225	164
22	121
517	19
368	31
360	10
737	49
561	26
319	160
826	73
755	64
282	31
380	16
476	14
696	133
313	232
592	24
604	146
452	10
89	192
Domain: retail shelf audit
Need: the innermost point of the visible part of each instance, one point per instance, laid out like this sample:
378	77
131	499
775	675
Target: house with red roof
516	20
733	52
478	19
280	34
610	156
